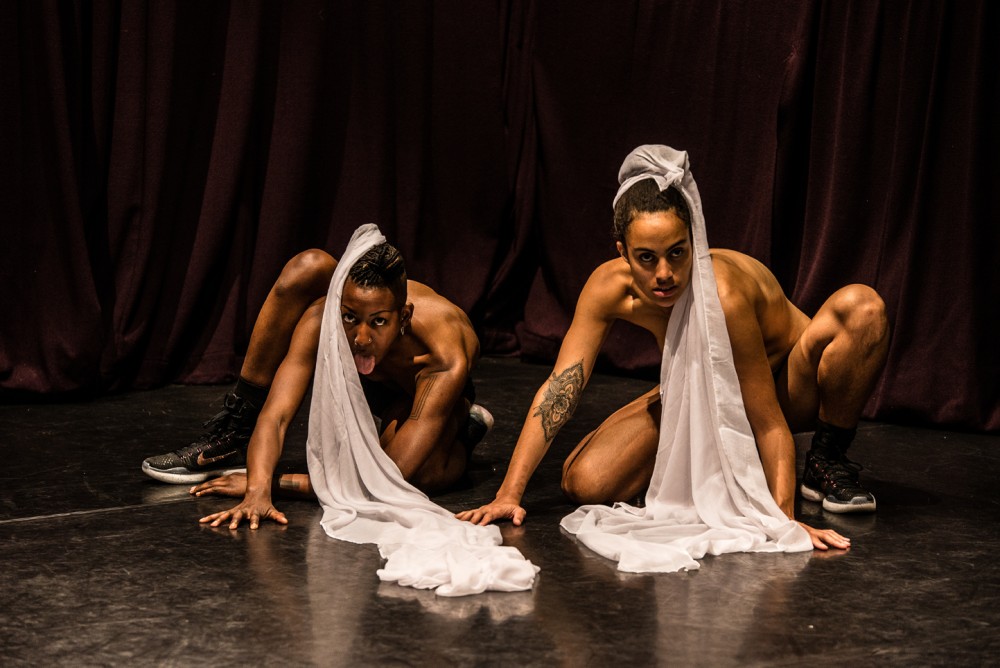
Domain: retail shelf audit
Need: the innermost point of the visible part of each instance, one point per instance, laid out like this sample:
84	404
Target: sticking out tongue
365	364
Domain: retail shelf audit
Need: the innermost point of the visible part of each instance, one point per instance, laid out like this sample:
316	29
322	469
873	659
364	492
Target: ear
622	250
405	314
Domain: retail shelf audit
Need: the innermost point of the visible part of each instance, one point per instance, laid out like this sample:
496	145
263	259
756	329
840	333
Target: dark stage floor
104	566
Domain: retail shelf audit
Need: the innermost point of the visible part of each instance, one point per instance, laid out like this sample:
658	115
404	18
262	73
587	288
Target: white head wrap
708	493
365	498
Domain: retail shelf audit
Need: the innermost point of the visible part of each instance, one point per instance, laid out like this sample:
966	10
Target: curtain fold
163	160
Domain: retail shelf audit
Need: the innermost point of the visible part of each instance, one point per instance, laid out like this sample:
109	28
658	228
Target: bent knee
862	310
307	274
583	483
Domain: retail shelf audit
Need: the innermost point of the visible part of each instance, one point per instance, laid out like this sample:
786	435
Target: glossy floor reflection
103	566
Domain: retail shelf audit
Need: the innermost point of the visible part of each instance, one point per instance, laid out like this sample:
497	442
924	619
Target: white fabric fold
364	496
708	493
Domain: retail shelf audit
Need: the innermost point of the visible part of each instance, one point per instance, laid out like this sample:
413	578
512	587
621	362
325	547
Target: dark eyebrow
348	309
641	249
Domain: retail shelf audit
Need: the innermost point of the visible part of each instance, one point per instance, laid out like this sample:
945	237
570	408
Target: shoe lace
233	409
843	472
216	427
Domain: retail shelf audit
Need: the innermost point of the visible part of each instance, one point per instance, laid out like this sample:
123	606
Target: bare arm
427	428
774	439
421	443
291	381
553	405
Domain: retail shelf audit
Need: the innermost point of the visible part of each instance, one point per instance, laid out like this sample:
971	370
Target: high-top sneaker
221	449
834	481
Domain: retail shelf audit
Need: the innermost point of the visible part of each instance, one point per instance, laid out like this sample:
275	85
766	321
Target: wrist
504	496
258	488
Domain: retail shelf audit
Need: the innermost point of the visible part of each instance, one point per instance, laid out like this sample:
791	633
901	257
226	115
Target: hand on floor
824	539
494	512
253	509
234	484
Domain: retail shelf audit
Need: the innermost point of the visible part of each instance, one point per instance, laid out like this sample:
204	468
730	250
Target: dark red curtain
162	160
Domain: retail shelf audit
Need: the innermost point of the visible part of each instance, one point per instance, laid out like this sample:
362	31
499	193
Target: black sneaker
835	483
222	449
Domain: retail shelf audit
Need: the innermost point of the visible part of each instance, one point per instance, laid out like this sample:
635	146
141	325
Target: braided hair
381	267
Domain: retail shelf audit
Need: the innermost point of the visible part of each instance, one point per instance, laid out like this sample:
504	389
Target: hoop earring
402	330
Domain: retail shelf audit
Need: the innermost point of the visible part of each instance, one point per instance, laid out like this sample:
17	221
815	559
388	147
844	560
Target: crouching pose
794	372
414	351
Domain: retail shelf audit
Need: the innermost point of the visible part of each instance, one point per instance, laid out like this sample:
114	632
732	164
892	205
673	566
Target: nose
363	336
663	271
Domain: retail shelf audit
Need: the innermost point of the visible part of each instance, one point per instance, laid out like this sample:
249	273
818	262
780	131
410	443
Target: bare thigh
615	461
302	283
798	382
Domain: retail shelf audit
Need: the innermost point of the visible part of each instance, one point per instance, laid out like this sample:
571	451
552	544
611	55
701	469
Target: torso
439	338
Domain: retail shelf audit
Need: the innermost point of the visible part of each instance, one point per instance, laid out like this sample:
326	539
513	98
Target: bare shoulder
443	329
748	289
431	301
608	291
741	277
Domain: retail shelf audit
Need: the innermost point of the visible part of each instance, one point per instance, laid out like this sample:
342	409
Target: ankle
254	394
831	441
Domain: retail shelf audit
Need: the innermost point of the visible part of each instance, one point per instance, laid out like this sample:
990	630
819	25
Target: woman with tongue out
414	351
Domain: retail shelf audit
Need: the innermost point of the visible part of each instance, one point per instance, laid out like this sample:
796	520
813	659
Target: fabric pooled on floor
364	496
708	493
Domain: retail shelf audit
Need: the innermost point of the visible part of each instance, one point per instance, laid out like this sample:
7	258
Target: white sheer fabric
363	494
708	494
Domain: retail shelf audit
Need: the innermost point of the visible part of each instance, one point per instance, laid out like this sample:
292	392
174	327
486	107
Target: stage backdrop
162	160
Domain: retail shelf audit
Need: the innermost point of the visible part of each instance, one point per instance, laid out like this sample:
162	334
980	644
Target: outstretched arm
552	407
287	391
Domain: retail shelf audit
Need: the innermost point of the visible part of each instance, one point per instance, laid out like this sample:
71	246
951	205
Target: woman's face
372	321
658	251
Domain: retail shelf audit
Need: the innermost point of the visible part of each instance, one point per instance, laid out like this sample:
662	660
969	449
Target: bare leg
442	470
832	369
305	278
828	377
615	461
302	283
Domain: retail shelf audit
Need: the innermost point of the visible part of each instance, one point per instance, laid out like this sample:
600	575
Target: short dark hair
645	196
381	267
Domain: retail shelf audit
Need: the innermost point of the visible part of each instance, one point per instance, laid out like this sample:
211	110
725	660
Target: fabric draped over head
364	496
708	493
